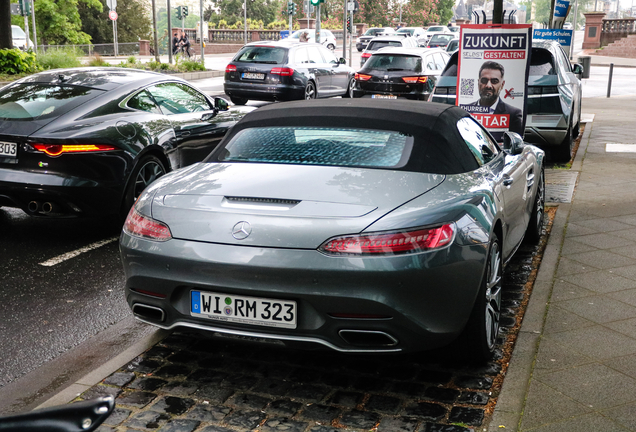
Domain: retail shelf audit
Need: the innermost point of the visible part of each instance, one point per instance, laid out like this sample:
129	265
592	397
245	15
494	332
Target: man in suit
491	81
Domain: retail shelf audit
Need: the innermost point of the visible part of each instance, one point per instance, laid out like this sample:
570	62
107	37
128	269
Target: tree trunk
6	38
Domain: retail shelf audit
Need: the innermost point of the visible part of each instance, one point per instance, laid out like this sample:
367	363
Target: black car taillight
282	71
230	68
58	149
415	79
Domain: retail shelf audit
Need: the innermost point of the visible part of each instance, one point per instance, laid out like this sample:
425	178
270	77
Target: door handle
507	181
185	133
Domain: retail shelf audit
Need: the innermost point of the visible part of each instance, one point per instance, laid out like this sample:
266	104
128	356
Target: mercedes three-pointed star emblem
241	230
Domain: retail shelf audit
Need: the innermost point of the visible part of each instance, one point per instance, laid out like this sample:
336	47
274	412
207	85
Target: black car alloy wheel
149	169
480	334
535	226
310	90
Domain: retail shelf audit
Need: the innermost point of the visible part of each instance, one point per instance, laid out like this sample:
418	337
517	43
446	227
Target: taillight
366	55
142	226
415	79
58	149
230	68
362	77
391	243
282	71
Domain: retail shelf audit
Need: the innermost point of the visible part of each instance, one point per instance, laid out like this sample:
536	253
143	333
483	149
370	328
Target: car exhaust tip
368	338
34	206
50	207
149	313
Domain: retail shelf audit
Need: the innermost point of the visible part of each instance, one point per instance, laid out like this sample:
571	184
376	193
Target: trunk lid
286	206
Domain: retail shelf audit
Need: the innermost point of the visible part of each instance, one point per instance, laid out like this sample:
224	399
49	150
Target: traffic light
315	2
185	11
290	7
294	8
349	24
179	12
24	7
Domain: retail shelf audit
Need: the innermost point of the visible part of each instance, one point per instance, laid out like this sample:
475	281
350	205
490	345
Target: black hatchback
409	73
282	70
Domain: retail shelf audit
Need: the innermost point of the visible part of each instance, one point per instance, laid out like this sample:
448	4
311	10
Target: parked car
416	32
283	70
359	226
441	40
430	31
20	38
87	141
393	73
554	98
455	29
567	26
326	37
452	46
363	40
386	41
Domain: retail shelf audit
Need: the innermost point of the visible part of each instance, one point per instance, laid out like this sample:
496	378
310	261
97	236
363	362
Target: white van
20	38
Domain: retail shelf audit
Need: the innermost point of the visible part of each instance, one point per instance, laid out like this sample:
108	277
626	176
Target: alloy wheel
310	91
493	294
148	173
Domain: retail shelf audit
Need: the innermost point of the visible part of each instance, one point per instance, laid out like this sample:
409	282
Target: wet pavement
191	381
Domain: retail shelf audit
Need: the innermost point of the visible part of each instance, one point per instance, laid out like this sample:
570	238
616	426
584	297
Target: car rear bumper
546	129
411	302
369	94
57	195
266	92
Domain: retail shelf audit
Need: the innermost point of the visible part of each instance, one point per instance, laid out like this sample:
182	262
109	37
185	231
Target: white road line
67	256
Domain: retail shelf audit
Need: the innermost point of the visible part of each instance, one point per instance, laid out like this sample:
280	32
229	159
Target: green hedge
15	61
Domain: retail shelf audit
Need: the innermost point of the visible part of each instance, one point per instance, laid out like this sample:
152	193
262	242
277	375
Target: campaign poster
494	61
563	37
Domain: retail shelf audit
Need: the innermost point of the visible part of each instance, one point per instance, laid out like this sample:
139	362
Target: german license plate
243	309
9	150
377	96
250	75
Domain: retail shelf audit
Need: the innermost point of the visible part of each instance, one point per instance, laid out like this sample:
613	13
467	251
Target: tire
535	226
238	100
563	153
350	86
480	334
147	170
331	47
310	90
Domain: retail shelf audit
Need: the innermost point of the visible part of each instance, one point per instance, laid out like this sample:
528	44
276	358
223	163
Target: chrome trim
265	336
163	313
395	341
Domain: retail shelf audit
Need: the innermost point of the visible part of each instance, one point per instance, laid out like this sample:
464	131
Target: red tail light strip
415	79
362	77
282	71
139	225
391	243
230	68
58	149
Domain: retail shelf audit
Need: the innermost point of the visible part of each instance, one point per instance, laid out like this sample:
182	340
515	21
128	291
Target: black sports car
87	141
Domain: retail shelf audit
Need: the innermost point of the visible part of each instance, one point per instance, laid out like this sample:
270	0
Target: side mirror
577	69
512	143
342	60
221	104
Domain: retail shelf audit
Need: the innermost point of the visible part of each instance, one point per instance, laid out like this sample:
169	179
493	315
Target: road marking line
620	148
67	256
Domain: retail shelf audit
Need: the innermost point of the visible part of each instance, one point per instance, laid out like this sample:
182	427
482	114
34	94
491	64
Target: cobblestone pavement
192	382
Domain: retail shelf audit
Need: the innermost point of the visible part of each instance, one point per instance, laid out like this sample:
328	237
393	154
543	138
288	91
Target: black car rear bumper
273	92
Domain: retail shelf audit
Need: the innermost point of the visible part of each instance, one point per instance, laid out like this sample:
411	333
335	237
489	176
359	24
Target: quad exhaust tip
150	313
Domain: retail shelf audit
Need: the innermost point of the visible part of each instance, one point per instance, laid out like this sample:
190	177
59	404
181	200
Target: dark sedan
284	70
356	225
87	141
410	73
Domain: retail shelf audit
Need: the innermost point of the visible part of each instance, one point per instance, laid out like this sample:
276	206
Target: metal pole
318	23
290	20
35	36
245	19
609	83
26	27
351	38
169	33
576	7
154	30
201	30
116	37
344	31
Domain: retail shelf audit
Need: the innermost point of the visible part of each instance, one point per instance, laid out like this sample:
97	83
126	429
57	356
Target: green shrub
66	57
164	66
190	66
153	65
15	61
98	61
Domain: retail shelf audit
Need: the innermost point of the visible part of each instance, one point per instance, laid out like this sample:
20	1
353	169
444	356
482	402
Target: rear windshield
41	101
376	45
435	29
441	38
388	62
261	54
407	31
541	63
373	31
319	146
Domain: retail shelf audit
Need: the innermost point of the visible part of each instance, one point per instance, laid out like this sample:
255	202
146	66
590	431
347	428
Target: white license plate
8	150
250	75
244	310
375	96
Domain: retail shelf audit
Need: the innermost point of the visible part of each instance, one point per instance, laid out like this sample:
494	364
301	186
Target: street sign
112	4
351	6
112	15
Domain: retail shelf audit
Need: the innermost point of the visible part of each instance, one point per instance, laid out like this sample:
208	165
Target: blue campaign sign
564	37
561	8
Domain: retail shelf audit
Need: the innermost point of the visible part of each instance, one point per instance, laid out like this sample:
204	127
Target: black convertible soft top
438	146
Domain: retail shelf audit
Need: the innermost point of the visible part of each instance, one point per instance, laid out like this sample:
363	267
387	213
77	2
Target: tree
263	10
420	13
374	13
445	10
133	22
58	21
6	40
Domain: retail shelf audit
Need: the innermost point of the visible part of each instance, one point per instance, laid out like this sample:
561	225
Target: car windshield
404	30
17	33
319	146
392	62
441	38
261	54
373	31
376	45
40	101
436	29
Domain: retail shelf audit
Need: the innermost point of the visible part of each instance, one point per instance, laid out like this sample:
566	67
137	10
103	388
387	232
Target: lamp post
245	20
